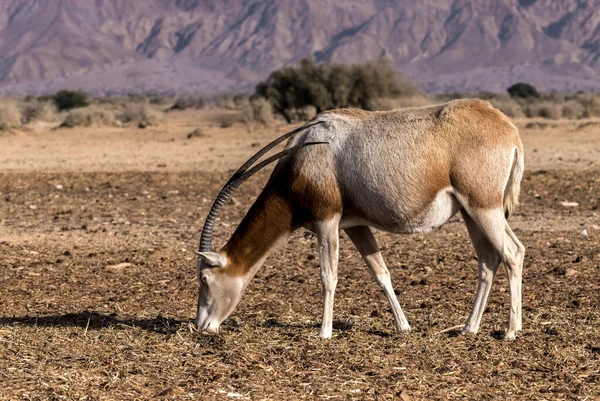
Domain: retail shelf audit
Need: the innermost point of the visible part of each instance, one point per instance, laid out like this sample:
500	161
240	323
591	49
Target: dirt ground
97	279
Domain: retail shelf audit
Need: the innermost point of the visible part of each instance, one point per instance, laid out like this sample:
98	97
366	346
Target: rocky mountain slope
120	46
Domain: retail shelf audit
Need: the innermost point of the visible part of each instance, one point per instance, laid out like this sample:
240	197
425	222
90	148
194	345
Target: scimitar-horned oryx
401	171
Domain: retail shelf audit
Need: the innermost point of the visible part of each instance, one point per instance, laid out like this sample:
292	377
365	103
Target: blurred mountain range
207	46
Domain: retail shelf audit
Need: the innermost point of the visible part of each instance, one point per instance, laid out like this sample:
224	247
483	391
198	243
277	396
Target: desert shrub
572	109
507	105
523	90
222	101
188	102
262	110
137	98
10	115
228	104
306	112
33	109
256	109
114	102
327	86
239	99
401	102
86	116
247	111
302	114
546	105
161	101
554	97
550	110
142	114
590	103
68	99
544	110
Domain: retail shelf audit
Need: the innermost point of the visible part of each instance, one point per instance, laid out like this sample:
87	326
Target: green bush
523	90
327	86
68	99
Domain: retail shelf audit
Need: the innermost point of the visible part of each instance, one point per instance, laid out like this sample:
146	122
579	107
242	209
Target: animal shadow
90	320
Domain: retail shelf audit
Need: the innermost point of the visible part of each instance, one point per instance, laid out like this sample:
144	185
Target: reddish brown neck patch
268	221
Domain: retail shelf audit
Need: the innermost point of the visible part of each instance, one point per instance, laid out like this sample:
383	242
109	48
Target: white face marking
218	295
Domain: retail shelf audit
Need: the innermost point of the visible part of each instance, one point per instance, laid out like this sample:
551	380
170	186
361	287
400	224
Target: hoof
468	331
325	335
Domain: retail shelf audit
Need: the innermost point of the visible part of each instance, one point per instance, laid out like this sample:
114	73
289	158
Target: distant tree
523	90
68	99
326	86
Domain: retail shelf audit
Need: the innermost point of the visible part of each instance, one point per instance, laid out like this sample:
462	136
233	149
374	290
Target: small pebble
571	272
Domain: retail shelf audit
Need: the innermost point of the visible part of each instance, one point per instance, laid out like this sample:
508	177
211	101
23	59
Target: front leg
328	237
365	242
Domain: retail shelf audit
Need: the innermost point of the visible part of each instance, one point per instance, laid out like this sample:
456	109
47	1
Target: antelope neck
268	222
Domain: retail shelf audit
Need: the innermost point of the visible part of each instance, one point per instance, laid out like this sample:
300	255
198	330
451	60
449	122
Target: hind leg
488	262
514	270
511	252
365	242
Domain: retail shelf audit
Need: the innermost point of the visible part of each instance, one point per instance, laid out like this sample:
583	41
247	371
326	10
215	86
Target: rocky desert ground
97	279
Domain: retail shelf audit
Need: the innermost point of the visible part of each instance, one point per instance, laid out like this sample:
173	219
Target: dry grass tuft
572	109
10	114
258	109
188	102
401	102
546	109
263	111
91	115
550	105
39	110
590	103
508	106
142	114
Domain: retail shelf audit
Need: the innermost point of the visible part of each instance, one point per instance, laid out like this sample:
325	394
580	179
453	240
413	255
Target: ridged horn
241	175
270	146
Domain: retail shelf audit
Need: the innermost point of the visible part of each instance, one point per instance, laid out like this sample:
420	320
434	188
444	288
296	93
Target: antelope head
222	279
219	292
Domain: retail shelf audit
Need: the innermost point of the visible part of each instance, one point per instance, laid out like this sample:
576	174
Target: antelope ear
212	259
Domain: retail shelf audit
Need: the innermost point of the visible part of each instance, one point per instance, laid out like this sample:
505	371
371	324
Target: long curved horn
241	175
227	190
270	146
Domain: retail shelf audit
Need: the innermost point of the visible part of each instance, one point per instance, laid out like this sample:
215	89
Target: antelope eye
203	280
